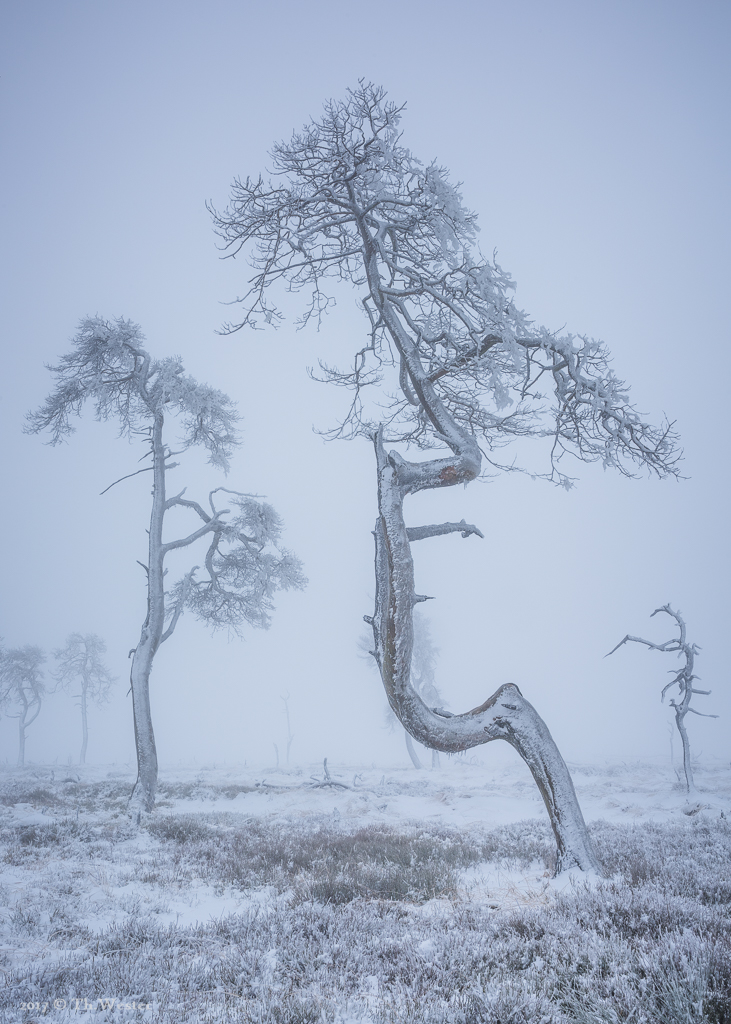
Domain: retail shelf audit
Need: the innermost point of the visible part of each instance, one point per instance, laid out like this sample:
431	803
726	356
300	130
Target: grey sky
593	140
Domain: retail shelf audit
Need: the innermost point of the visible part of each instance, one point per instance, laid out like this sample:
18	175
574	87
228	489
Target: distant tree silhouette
80	667
22	686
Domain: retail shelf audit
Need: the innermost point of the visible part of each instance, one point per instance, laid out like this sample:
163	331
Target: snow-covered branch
423	532
351	203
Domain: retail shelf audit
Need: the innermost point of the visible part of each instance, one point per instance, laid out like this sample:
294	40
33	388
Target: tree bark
506	714
143	794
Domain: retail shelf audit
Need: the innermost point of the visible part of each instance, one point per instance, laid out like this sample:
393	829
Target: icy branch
351	203
422	532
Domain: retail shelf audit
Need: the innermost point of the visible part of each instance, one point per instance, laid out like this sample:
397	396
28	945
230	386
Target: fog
592	140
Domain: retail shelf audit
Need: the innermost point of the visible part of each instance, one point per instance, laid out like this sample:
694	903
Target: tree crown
109	367
21	676
81	663
349	201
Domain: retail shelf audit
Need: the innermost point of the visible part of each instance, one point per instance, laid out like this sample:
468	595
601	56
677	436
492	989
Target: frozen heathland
362	894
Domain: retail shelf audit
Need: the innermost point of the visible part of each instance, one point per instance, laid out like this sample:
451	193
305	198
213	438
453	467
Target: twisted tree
454	365
244	564
683	678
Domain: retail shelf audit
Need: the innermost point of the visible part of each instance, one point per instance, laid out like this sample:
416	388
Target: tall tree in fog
244	563
80	667
454	365
22	687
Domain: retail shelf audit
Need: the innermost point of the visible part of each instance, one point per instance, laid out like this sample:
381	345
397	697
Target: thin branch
146	469
187	503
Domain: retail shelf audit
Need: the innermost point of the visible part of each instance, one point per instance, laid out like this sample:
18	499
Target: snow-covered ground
363	883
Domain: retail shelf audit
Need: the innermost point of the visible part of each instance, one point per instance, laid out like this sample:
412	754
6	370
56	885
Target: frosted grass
213	915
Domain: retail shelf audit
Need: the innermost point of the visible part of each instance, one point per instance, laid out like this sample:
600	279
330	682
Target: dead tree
683	678
452	364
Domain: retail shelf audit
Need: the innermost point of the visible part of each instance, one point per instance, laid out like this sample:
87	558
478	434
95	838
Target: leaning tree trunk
143	794
506	714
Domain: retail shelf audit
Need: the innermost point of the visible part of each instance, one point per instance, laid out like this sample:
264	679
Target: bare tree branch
147	469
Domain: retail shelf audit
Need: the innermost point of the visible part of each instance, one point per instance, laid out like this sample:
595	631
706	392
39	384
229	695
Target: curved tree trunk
506	714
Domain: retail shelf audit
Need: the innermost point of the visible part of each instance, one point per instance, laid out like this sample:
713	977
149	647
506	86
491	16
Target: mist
592	140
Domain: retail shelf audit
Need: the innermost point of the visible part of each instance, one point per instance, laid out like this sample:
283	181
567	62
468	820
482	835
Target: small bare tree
683	678
453	365
244	565
80	666
22	686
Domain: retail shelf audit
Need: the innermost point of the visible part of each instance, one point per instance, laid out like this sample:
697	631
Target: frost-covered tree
244	563
80	667
682	678
453	365
22	687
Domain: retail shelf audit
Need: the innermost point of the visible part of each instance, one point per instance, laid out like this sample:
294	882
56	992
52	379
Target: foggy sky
593	141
